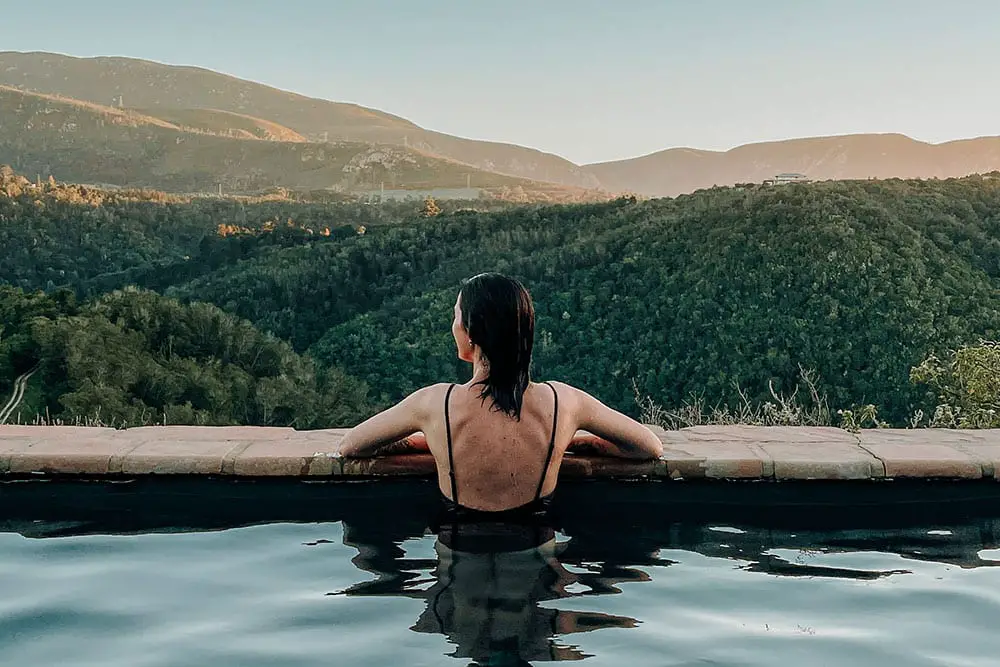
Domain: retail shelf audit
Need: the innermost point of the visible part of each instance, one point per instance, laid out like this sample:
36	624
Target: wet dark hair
498	315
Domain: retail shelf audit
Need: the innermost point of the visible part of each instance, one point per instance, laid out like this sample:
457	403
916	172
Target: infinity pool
114	575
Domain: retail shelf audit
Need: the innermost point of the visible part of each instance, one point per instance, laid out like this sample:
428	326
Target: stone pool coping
701	452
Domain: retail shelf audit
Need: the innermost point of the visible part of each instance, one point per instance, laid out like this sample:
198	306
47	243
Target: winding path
20	384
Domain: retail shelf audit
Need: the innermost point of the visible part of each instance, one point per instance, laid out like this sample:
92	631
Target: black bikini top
473	530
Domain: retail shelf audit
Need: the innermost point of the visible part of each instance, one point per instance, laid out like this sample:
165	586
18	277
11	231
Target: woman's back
500	445
492	461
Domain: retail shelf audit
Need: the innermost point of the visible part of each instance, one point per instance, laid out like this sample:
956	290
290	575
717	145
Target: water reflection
776	565
490	604
523	606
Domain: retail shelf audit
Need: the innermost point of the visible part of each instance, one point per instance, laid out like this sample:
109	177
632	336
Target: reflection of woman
488	605
499	439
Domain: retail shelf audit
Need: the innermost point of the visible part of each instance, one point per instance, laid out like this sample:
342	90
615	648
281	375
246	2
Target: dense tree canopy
859	281
133	357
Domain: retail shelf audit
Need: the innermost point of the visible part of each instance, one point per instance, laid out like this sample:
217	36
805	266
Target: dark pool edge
73	506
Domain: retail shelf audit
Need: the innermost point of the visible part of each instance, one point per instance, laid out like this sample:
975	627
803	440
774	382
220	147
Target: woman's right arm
621	435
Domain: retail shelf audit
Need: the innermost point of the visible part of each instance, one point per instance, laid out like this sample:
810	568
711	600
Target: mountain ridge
150	85
676	171
89	143
269	112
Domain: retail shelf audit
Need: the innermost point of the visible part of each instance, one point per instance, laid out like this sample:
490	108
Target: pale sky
589	80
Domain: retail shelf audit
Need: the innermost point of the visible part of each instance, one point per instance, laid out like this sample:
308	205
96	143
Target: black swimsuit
468	529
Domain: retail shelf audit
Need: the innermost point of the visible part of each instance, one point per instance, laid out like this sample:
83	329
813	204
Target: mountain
680	170
195	100
195	150
157	88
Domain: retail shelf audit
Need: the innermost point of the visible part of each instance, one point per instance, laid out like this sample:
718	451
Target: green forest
138	307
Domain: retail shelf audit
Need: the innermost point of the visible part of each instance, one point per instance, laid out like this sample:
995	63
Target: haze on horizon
584	79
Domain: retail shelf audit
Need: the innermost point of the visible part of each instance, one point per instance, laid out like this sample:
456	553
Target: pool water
116	584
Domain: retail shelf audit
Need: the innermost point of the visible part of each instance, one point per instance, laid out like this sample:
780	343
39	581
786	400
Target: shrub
967	385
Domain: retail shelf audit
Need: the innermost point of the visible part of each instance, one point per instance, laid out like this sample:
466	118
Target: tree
430	208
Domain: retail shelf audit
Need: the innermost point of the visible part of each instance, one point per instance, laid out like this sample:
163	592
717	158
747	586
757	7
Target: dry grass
46	420
805	406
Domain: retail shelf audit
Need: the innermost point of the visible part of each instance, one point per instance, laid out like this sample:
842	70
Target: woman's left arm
396	429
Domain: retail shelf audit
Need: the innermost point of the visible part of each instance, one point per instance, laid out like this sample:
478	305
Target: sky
591	80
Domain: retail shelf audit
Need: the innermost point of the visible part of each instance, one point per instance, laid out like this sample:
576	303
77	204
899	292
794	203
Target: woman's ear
469	349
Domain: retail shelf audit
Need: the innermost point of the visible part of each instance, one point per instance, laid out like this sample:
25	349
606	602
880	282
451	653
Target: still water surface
381	590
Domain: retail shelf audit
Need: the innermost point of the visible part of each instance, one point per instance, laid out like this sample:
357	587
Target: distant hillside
679	170
195	100
152	86
89	143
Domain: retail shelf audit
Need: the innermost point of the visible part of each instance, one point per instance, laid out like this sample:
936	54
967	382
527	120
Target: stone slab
938	436
294	457
68	450
209	433
322	435
178	457
691	454
761	434
985	446
822	460
989	458
11	441
706	452
923	453
25	431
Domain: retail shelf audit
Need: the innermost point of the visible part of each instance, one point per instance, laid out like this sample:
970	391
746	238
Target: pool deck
701	452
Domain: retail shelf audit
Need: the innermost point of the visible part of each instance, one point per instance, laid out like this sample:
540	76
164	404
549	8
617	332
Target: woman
499	439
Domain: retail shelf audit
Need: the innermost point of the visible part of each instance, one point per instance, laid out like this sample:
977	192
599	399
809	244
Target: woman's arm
393	431
616	434
589	444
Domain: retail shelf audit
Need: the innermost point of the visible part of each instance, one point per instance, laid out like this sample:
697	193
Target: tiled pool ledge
702	452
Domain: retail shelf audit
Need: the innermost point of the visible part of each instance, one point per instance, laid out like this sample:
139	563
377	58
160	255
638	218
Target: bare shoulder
438	389
570	398
586	410
427	397
423	402
564	389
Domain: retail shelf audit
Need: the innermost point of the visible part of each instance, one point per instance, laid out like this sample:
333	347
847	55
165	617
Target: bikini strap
451	456
552	442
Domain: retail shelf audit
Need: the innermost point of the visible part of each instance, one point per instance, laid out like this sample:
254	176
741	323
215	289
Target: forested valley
133	307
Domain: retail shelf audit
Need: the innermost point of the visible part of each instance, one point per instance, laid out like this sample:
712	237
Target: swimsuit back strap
451	456
552	442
